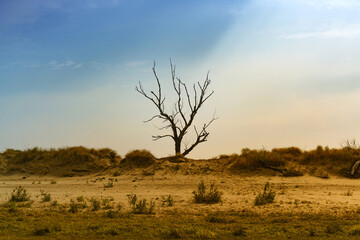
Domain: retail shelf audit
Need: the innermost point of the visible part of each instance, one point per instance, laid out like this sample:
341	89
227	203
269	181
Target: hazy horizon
285	73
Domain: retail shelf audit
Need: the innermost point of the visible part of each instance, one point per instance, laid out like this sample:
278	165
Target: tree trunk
177	146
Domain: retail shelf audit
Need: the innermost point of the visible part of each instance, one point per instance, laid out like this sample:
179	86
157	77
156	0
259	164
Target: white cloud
348	32
55	65
331	4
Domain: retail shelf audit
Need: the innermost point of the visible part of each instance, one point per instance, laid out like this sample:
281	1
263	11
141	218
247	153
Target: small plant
54	203
53	182
355	231
167	201
333	228
111	214
141	206
19	194
266	197
74	207
46	197
240	231
201	195
80	199
95	204
106	202
293	172
110	184
348	193
41	231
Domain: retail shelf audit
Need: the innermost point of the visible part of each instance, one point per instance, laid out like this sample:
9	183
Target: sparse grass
267	196
110	184
19	194
167	201
141	206
95	204
111	224
348	193
201	195
333	228
46	197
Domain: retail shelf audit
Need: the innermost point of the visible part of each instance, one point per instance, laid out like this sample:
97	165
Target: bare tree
182	115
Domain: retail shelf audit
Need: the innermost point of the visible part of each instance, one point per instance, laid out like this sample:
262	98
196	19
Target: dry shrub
267	196
56	161
139	159
201	195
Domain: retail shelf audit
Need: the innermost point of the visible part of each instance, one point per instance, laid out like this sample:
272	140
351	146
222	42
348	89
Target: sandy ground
296	194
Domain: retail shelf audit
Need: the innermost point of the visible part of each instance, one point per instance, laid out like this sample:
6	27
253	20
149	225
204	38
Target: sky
284	72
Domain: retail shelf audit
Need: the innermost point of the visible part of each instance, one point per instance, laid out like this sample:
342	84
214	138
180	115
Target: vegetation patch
138	159
211	196
267	196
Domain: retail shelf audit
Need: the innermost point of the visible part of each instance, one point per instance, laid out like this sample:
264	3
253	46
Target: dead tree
182	115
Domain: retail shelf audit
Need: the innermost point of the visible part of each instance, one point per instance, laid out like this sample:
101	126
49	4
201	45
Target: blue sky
284	72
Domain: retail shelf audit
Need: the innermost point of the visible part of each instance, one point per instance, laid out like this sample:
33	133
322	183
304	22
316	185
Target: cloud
348	32
55	65
331	4
136	63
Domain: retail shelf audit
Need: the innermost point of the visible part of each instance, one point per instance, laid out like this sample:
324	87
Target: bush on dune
138	158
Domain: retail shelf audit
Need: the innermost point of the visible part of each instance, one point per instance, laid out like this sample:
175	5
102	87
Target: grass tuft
201	195
267	196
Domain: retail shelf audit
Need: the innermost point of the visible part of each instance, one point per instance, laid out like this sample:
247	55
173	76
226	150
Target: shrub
76	206
41	231
19	194
141	206
111	214
95	204
292	172
168	201
80	199
355	231
53	182
333	228
208	197
110	184
54	203
138	158
46	197
240	231
266	197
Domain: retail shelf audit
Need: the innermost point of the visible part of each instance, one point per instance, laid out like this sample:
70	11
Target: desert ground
142	197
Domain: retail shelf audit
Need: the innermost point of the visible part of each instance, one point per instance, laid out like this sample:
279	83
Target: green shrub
267	196
141	206
19	194
201	195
